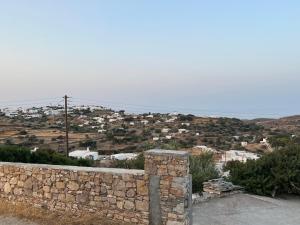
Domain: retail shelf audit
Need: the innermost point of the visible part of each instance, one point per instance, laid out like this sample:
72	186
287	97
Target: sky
217	58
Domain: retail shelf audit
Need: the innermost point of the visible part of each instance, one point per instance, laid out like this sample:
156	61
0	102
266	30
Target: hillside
111	131
289	124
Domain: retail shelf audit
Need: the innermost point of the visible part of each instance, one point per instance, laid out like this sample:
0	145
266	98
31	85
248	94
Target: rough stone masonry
158	195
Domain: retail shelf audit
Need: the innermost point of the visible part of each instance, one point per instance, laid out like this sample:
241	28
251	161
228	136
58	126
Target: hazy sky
235	58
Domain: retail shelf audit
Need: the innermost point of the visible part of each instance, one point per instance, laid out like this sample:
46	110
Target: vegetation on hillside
24	155
282	140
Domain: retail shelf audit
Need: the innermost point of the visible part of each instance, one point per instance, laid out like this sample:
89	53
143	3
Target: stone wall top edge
167	152
76	168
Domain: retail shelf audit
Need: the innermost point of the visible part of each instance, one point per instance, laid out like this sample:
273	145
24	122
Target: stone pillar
170	187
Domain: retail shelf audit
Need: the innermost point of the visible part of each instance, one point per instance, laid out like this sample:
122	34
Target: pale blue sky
235	58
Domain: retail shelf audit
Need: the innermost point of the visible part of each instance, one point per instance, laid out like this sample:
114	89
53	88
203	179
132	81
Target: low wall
158	195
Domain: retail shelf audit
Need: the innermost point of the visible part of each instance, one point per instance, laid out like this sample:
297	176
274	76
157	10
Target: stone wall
123	195
169	177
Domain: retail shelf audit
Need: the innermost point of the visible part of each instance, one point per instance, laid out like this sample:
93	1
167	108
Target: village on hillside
105	135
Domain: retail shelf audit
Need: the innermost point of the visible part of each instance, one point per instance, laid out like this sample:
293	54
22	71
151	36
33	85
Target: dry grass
45	217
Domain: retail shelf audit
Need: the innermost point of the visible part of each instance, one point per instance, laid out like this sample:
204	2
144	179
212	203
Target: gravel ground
244	209
14	221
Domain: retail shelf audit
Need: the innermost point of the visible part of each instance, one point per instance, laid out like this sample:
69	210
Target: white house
203	148
185	124
84	154
172	120
244	143
264	141
99	119
124	156
174	114
145	122
165	130
182	131
235	155
101	131
112	120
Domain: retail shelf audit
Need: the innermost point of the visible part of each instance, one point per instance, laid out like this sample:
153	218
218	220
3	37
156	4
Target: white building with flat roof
84	154
124	156
236	155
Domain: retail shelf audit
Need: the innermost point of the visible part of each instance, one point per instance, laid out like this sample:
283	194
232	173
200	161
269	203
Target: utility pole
66	125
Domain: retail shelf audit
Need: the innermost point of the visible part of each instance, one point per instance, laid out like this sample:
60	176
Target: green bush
202	169
275	173
137	163
24	155
280	140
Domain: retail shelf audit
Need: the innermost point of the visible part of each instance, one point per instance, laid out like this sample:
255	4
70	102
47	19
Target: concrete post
170	187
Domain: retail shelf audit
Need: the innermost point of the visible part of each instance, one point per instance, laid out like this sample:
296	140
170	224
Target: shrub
137	163
23	132
202	169
275	173
88	143
188	117
24	155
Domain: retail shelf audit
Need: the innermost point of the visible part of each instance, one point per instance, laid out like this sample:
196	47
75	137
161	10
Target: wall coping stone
167	152
76	168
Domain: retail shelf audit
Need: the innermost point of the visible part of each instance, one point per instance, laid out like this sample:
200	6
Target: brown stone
70	198
17	191
130	193
60	185
142	206
28	184
82	198
128	205
46	189
119	185
120	204
112	200
14	181
20	184
73	186
61	197
142	188
7	188
47	195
